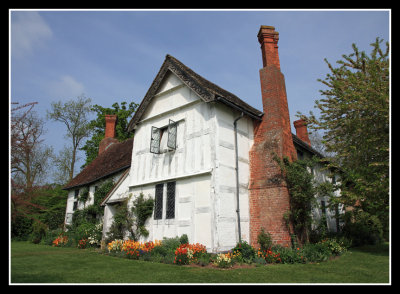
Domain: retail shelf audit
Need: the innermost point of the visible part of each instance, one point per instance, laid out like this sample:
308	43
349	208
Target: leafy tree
97	125
62	165
74	114
28	162
53	200
355	120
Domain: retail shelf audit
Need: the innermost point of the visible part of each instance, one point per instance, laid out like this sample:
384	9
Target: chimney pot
109	137
110	125
268	38
301	130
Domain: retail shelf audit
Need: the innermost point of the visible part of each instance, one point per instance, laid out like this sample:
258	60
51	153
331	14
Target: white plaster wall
119	193
203	166
225	183
70	200
321	174
193	213
194	130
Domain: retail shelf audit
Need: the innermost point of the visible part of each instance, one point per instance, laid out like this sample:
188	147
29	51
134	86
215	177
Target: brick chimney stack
301	130
268	193
109	137
268	38
110	125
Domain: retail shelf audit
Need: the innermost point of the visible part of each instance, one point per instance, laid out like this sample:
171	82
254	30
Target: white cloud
28	31
67	87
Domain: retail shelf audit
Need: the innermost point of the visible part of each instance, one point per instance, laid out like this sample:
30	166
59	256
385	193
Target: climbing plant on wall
302	193
133	220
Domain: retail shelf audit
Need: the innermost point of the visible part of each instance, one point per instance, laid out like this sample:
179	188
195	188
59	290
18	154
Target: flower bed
134	249
61	240
178	251
189	253
269	256
82	243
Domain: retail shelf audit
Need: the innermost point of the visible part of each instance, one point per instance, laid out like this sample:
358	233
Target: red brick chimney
268	194
301	130
109	137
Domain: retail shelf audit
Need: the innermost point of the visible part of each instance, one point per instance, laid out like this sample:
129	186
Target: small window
337	217
170	200
158	205
172	126
75	206
68	219
323	208
155	140
299	154
76	194
163	139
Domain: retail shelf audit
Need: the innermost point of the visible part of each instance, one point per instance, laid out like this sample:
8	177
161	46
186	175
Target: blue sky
114	55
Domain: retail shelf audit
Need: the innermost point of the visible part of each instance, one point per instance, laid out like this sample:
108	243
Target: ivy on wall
133	220
302	191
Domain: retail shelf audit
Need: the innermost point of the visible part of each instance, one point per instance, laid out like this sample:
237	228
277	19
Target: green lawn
32	263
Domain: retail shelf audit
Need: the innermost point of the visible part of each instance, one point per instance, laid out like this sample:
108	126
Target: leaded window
158	205
155	140
163	139
172	126
170	200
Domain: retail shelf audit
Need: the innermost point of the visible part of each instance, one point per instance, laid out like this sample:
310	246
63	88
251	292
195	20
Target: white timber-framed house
192	153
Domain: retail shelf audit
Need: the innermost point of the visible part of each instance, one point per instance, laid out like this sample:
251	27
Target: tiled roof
300	143
207	91
115	158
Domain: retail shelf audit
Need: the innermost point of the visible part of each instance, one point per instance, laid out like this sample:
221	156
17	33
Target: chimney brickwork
301	130
109	137
268	193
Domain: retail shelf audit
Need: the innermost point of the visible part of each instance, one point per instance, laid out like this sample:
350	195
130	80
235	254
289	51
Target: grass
33	264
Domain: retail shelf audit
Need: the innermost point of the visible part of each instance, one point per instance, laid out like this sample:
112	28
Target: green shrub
167	248
264	240
363	229
184	239
288	254
316	252
335	246
247	251
260	260
204	259
170	244
39	230
51	235
21	227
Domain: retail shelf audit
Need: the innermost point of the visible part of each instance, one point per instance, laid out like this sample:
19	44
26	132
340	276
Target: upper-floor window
300	154
163	139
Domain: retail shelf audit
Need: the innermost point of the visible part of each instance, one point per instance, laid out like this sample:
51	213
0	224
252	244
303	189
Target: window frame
169	190
158	201
170	205
156	136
